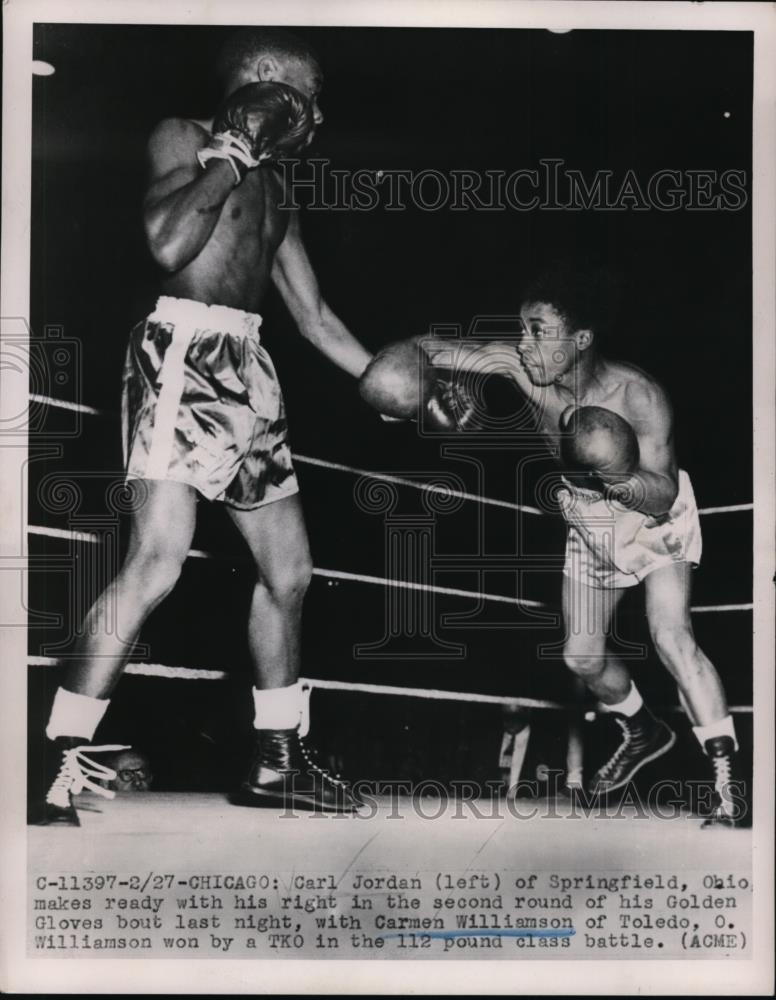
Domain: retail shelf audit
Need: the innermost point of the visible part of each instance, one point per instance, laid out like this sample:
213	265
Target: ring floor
401	882
180	826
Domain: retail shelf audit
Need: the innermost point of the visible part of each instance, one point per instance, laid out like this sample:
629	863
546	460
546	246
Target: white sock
628	706
277	708
722	727
75	714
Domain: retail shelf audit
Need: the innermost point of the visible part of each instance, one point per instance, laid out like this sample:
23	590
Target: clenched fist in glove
259	122
598	448
400	383
448	406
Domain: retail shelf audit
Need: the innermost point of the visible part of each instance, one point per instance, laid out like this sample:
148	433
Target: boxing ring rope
435	694
574	748
381	476
337	574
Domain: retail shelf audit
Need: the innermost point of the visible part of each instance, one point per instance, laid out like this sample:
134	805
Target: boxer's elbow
167	259
168	253
661	495
670	493
167	245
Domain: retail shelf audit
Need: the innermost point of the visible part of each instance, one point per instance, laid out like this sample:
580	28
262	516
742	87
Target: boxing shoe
644	738
68	770
730	806
284	773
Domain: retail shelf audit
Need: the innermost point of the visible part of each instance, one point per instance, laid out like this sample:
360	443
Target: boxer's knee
583	660
286	585
151	573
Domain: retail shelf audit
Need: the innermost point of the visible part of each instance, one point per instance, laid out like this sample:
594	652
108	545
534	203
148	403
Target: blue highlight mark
484	933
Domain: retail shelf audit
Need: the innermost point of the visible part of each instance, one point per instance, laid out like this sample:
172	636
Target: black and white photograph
387	445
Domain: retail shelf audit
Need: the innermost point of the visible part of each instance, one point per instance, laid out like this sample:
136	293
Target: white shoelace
615	758
326	775
76	773
722	777
304	729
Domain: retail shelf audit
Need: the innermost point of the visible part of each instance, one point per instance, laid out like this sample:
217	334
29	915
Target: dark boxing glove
259	122
599	448
401	384
448	405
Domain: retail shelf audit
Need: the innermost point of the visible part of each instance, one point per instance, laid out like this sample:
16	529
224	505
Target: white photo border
18	973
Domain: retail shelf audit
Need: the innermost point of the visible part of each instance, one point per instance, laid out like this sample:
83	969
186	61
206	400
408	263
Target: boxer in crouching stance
204	415
630	511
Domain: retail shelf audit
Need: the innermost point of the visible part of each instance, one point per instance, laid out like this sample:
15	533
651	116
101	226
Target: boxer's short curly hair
586	295
244	46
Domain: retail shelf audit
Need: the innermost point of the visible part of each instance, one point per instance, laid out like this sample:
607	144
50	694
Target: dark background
412	99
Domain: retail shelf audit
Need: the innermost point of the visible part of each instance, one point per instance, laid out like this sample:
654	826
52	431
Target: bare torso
235	265
614	388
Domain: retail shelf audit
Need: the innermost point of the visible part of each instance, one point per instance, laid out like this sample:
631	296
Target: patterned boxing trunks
609	546
201	405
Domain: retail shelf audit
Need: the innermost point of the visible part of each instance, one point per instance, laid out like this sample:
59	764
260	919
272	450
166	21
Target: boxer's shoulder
173	136
645	397
628	390
633	378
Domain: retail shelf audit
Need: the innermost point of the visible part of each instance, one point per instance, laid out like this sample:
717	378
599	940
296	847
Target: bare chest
235	265
553	403
251	219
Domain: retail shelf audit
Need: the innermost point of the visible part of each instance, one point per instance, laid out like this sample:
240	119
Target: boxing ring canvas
458	150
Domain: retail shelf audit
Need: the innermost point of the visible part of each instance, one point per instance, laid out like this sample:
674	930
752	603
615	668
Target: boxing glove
259	122
448	406
394	381
400	383
599	441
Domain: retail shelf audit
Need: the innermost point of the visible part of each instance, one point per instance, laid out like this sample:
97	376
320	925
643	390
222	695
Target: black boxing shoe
69	769
644	739
284	773
730	807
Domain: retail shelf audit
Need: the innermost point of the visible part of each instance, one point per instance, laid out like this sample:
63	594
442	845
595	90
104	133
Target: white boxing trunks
609	546
201	405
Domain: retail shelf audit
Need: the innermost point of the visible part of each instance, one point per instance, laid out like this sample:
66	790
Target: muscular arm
183	202
295	279
654	485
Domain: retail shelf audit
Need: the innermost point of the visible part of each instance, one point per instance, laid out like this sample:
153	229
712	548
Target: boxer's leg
588	613
668	591
587	616
277	538
668	613
161	531
160	536
283	772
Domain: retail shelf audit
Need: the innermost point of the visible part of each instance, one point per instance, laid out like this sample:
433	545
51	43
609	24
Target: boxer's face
547	348
305	76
